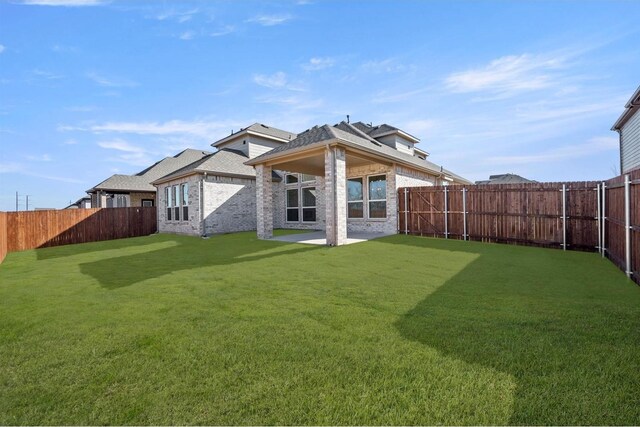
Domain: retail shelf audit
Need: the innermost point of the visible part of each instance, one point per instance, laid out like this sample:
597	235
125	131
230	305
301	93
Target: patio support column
335	173
264	202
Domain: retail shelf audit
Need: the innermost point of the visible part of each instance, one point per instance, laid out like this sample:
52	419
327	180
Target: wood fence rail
38	229
569	215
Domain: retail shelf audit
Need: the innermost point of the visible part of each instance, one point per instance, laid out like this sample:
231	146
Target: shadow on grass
567	336
92	247
189	253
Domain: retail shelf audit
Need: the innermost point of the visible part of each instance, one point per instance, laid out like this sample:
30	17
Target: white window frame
185	200
176	196
363	200
168	195
369	200
303	207
299	186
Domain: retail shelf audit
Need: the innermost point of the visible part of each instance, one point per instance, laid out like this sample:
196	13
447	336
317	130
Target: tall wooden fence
3	235
38	229
570	215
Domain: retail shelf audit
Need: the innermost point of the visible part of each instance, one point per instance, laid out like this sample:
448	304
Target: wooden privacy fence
569	215
38	229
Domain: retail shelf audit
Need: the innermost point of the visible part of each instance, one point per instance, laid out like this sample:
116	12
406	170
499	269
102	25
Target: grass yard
232	330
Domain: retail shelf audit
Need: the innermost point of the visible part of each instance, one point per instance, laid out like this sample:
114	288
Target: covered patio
320	238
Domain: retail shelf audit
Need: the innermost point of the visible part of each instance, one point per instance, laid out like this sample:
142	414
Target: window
185	202
167	197
307	178
292	205
291	178
309	204
355	201
377	196
146	203
176	204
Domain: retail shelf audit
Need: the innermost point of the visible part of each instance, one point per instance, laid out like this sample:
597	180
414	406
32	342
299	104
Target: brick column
264	202
335	172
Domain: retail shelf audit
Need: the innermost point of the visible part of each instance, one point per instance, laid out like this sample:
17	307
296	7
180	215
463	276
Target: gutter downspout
201	201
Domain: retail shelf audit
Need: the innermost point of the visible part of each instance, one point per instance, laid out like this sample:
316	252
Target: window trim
364	203
185	201
369	200
302	207
176	208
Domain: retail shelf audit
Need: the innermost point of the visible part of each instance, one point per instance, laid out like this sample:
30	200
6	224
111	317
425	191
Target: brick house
135	190
340	179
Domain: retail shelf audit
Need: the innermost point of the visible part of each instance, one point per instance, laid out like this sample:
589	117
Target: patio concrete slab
320	238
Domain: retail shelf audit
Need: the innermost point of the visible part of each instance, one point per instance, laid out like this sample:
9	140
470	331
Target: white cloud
109	81
180	16
199	128
227	29
508	75
389	65
270	20
40	158
64	49
187	35
121	145
568	152
68	3
20	169
70	142
48	75
2	48
127	152
277	80
319	64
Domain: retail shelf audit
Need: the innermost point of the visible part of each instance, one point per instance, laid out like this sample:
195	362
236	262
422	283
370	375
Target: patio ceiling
312	162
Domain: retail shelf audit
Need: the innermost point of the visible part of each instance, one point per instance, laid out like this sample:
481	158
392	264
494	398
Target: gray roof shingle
345	132
142	180
223	162
507	178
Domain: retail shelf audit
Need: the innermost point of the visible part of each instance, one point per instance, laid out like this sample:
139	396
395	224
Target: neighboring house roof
630	109
224	162
351	135
382	130
78	202
143	179
506	178
259	129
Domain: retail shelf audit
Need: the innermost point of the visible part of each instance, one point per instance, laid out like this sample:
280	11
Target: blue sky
90	88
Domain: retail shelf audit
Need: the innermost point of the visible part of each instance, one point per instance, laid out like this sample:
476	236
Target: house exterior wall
258	146
630	144
192	224
136	198
400	144
229	204
239	144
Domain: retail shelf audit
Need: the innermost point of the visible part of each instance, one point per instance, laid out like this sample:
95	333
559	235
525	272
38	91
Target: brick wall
229	205
192	224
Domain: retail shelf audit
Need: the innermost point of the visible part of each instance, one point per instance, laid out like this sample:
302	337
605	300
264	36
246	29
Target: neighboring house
506	178
628	127
81	203
335	178
217	194
136	190
341	179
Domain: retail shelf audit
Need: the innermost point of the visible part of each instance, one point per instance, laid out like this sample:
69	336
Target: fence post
406	224
599	219
564	217
464	213
446	223
604	218
627	225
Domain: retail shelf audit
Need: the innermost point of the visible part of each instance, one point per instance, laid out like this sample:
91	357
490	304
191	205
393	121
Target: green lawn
231	330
